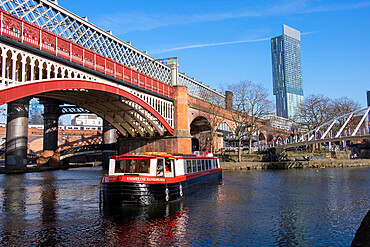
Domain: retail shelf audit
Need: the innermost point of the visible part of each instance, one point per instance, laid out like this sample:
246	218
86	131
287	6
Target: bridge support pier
109	133
181	120
17	134
109	137
52	112
154	144
179	143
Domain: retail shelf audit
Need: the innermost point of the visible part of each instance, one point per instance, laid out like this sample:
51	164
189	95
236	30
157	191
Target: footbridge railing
350	126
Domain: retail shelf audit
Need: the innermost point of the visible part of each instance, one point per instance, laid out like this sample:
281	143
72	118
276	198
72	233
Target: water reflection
163	224
48	199
13	208
305	207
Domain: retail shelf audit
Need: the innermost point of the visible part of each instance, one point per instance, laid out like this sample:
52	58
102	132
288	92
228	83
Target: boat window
194	165
168	165
204	165
209	165
188	166
132	166
160	167
199	165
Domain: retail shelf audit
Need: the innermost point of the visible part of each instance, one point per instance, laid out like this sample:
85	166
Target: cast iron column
109	133
17	134
51	115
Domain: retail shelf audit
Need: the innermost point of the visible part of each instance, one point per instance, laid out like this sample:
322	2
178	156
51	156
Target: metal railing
56	19
200	91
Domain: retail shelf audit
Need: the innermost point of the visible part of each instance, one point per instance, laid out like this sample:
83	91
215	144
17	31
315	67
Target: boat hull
127	193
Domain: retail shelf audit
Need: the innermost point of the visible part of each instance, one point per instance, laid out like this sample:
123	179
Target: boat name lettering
145	179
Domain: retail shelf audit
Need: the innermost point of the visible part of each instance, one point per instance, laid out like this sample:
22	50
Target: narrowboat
153	177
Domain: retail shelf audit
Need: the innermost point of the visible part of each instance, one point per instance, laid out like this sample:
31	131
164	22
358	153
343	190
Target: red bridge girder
31	89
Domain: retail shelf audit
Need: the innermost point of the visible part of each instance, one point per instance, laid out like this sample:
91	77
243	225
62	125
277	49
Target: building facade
87	120
35	112
287	72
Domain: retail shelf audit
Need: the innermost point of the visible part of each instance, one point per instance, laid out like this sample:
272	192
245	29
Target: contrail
210	44
215	44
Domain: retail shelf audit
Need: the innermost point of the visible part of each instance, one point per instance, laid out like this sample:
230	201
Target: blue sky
224	42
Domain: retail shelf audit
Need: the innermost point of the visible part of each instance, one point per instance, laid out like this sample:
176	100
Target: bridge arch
262	138
199	124
127	112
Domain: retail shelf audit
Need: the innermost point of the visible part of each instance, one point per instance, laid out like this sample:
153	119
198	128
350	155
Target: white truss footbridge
350	126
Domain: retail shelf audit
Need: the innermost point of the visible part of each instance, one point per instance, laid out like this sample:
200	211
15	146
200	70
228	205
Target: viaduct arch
128	113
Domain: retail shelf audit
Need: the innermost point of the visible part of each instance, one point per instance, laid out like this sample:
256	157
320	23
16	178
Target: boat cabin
160	164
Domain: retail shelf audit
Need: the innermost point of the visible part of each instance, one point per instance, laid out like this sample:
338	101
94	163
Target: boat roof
154	155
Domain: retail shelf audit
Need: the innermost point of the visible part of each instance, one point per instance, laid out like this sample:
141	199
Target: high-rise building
35	111
287	72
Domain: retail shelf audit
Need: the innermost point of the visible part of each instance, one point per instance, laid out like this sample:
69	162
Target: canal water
248	208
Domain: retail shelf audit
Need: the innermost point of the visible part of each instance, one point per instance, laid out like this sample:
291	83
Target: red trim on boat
156	180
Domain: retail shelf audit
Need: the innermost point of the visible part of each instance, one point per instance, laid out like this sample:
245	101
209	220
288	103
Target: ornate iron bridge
350	126
74	110
52	17
88	150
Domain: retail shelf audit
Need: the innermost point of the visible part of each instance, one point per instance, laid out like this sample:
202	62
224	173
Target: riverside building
287	72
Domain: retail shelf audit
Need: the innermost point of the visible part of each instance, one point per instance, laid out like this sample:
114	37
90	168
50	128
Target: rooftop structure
87	120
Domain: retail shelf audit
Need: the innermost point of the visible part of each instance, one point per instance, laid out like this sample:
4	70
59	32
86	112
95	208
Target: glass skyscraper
287	72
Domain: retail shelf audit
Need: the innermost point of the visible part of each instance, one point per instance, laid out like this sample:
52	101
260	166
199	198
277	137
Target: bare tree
313	112
251	105
213	111
215	117
342	106
318	109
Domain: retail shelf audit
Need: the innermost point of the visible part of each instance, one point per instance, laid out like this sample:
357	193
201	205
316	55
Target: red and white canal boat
153	177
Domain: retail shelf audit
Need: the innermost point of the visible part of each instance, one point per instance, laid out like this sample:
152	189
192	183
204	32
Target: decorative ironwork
199	90
133	120
58	20
74	110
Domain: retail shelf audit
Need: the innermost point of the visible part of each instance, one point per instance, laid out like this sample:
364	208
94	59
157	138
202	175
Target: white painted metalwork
19	67
356	119
350	126
199	90
56	19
